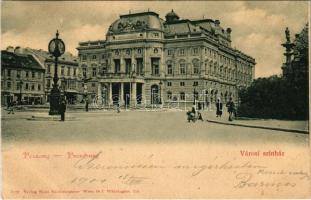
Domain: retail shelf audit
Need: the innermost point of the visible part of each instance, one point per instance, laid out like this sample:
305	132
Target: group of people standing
230	106
194	115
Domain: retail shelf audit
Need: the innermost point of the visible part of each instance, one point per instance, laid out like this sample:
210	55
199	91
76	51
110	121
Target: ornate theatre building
146	60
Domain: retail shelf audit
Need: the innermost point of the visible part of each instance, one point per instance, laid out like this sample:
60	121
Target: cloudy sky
257	27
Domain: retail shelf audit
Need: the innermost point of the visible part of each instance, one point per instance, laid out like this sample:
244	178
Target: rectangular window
33	74
26	86
155	66
32	87
182	68
49	68
94	72
39	87
116	65
169	84
170	52
84	72
48	83
68	71
195	51
195	83
169	69
18	74
27	74
74	72
62	72
169	95
128	66
182	52
94	57
9	73
84	57
182	83
139	65
182	96
8	85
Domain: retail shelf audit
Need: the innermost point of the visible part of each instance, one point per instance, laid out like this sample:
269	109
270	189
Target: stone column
99	93
110	94
133	95
122	94
143	93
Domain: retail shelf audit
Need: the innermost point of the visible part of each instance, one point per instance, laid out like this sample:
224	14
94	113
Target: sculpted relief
131	26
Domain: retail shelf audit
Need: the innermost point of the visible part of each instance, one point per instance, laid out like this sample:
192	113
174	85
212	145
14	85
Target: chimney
217	22
229	30
10	49
18	50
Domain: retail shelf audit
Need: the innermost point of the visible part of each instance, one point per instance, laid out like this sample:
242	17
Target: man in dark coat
218	108
231	108
62	109
87	105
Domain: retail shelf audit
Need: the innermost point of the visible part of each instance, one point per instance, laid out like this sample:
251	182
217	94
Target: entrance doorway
115	93
155	94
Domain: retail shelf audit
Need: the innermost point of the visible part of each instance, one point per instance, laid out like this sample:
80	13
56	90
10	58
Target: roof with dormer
19	61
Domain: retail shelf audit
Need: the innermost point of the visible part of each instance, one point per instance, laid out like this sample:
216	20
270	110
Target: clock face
61	47
52	46
57	47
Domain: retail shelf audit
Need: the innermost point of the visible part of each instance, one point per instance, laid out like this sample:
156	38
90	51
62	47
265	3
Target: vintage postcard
155	99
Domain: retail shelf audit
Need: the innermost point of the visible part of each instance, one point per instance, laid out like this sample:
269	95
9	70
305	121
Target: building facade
22	79
146	60
67	73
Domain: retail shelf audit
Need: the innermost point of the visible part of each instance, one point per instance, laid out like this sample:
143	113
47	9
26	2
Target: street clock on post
56	46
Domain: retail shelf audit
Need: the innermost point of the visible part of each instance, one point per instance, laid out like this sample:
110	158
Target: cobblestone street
144	126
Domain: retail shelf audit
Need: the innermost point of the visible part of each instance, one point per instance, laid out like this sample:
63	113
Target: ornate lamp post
56	48
20	91
194	93
160	91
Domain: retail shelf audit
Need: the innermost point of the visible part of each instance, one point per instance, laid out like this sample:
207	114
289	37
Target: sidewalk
271	124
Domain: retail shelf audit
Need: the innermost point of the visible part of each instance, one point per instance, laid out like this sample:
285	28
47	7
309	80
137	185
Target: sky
257	26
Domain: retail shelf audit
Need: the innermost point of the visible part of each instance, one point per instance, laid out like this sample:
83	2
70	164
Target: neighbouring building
67	73
22	78
146	60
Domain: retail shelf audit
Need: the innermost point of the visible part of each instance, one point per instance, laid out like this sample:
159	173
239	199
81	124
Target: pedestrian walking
62	109
11	107
218	108
87	105
231	109
118	107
